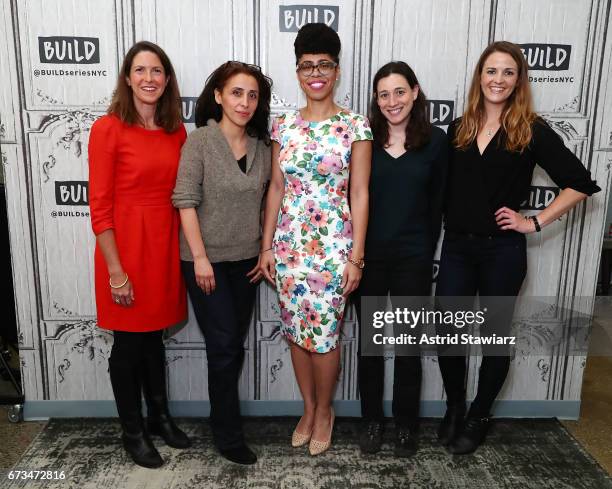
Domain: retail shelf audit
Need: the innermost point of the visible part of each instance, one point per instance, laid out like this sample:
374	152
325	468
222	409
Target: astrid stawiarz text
423	317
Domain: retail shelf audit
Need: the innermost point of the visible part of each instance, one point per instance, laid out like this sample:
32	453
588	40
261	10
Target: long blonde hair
517	116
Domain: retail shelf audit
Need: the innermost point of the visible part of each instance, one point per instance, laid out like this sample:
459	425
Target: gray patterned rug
518	454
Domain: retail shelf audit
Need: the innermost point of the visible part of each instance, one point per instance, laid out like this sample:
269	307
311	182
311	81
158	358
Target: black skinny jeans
399	277
224	318
492	267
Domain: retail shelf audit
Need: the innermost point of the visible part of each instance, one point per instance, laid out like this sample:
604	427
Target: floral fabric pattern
314	235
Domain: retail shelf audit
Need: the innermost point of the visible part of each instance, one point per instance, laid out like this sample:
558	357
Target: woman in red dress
134	152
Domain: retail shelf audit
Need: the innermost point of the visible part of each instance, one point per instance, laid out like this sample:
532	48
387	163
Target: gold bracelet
263	251
358	263
118	286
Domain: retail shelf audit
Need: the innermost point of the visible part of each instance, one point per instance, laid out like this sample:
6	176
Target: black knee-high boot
159	421
125	380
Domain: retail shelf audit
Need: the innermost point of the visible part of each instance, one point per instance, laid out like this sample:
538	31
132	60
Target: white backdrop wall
608	227
59	64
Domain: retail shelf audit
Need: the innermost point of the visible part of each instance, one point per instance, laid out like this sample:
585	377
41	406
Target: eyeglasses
324	68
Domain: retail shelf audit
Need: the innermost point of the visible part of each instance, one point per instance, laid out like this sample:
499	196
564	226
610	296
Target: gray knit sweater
228	202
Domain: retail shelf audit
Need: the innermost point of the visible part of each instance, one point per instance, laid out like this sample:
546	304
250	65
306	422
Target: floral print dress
314	236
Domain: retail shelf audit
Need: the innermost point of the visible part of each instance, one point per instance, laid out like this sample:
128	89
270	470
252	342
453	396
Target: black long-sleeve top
406	199
478	185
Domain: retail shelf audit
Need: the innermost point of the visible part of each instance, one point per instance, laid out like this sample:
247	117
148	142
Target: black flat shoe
240	455
370	439
471	437
406	443
165	427
142	451
451	423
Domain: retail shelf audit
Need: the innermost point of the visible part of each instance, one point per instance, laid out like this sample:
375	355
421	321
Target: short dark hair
418	130
168	110
317	38
207	108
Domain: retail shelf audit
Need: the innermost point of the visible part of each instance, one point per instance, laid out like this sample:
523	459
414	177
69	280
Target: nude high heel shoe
300	439
317	447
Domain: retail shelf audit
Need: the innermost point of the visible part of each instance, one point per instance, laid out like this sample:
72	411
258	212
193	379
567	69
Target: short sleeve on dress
276	128
361	128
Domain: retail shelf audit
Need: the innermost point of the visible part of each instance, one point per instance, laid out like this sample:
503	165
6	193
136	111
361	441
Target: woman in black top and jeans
495	147
409	163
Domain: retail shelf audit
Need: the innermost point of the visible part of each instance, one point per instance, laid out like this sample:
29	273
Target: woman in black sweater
409	163
495	147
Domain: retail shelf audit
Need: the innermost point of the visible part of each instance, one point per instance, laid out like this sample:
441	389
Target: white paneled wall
60	61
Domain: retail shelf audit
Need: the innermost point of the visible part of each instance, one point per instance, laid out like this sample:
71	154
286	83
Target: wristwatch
358	263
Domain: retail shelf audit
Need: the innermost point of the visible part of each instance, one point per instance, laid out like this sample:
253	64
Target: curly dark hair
317	38
418	130
168	109
207	108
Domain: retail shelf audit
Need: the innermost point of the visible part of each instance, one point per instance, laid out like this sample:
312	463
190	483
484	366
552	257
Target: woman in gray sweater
222	176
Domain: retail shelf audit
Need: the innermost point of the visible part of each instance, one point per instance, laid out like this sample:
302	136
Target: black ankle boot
451	423
370	439
125	380
406	442
239	455
159	421
163	425
142	451
471	436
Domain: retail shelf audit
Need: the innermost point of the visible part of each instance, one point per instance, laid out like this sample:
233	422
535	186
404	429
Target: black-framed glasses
323	67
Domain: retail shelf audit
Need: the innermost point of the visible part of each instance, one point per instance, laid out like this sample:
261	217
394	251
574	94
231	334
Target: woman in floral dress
313	243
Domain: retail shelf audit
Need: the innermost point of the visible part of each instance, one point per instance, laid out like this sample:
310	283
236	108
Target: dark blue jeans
490	266
224	318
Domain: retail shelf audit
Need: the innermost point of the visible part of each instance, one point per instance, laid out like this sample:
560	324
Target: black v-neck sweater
406	198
